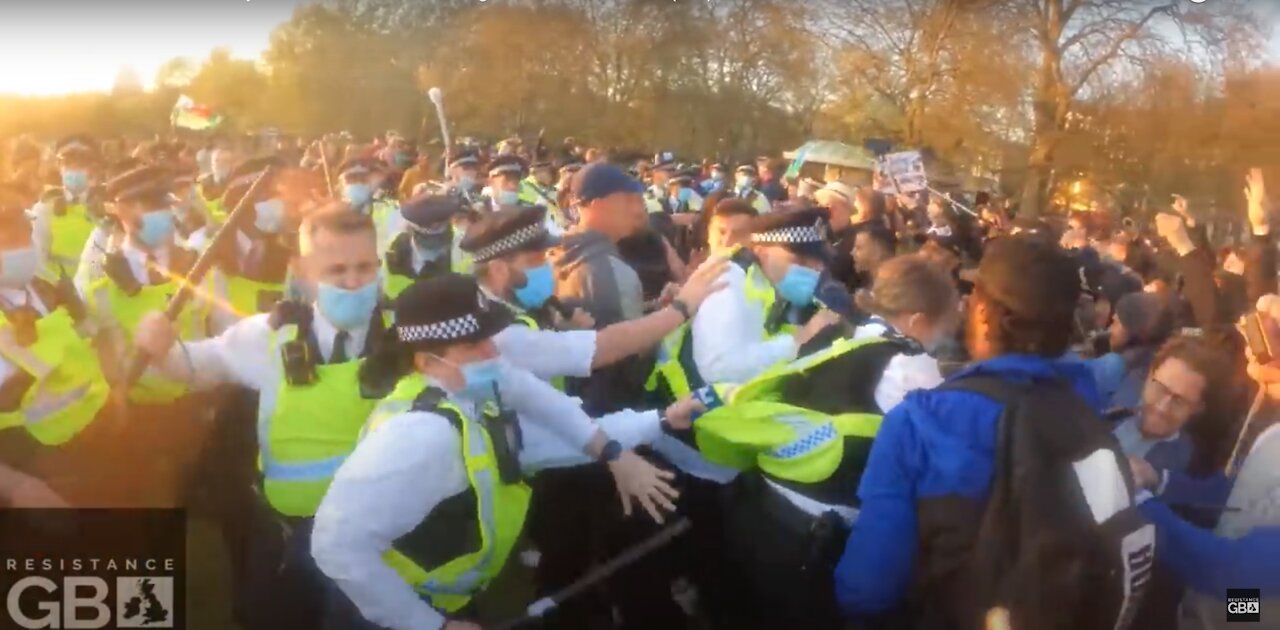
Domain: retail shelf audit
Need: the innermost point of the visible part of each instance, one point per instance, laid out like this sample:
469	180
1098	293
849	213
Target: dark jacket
591	274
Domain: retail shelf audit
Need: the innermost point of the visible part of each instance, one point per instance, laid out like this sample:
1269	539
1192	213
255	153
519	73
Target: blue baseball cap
600	180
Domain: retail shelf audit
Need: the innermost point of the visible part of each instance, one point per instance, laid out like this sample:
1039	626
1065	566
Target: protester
940	443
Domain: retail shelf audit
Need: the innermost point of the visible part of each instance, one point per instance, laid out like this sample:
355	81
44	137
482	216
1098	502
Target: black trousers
577	522
787	557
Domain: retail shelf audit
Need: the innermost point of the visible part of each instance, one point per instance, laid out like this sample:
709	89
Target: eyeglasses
1176	402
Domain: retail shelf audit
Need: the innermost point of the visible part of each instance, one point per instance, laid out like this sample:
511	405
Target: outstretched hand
639	480
704	281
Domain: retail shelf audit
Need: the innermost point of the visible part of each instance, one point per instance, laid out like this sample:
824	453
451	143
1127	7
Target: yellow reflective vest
311	431
675	373
68	387
757	429
499	512
107	300
70	226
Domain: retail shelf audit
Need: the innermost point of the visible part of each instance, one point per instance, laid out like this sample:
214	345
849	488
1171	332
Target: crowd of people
411	389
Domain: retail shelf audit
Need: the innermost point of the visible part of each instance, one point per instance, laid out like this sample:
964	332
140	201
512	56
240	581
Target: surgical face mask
467	181
346	308
402	160
744	181
18	267
220	173
479	378
681	196
798	285
75	181
269	215
506	197
717	176
358	195
539	285
156	227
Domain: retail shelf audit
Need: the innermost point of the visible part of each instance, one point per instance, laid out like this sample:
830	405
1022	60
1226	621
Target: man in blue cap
591	273
429	244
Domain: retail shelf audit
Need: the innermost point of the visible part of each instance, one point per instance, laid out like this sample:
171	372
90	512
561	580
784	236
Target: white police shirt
729	343
400	472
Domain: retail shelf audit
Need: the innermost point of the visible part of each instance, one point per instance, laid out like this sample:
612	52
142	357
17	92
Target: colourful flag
190	115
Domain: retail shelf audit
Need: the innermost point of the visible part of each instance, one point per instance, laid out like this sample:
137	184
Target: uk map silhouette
146	604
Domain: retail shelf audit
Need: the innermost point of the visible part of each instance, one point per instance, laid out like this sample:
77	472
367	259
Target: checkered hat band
447	330
505	169
510	242
806	234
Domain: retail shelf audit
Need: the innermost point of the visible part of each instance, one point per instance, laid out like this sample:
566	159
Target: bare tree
1083	44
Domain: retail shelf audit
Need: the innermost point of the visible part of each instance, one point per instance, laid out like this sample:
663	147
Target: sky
64	46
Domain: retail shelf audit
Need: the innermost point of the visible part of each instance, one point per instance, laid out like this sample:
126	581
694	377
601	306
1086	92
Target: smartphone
1263	339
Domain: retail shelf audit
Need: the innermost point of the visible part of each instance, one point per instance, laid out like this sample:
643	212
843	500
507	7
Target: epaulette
429	401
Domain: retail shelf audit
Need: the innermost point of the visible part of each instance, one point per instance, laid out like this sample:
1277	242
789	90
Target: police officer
140	270
656	195
538	189
440	458
744	187
429	245
505	175
509	248
361	180
463	181
757	321
254	267
716	180
213	186
805	429
66	215
302	360
51	384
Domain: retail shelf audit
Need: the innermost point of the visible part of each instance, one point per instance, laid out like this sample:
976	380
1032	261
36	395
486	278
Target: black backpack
1059	541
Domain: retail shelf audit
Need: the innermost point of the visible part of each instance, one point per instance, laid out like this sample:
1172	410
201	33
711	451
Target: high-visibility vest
70	226
397	265
499	511
68	387
757	429
311	431
384	212
247	297
675	370
106	298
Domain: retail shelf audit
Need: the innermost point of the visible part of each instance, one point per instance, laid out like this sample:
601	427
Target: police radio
116	267
295	355
504	433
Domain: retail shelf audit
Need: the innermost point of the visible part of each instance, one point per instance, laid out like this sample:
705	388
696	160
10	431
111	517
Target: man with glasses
1182	375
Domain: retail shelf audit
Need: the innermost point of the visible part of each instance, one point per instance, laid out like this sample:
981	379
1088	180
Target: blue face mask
539	285
479	378
358	195
269	215
798	286
75	181
717	176
347	309
18	267
466	182
402	160
156	228
507	198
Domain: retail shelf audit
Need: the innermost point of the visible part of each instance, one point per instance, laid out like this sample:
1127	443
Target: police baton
137	363
437	98
541	607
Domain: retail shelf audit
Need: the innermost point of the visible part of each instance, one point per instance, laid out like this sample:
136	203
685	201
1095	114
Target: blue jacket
1209	563
934	443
